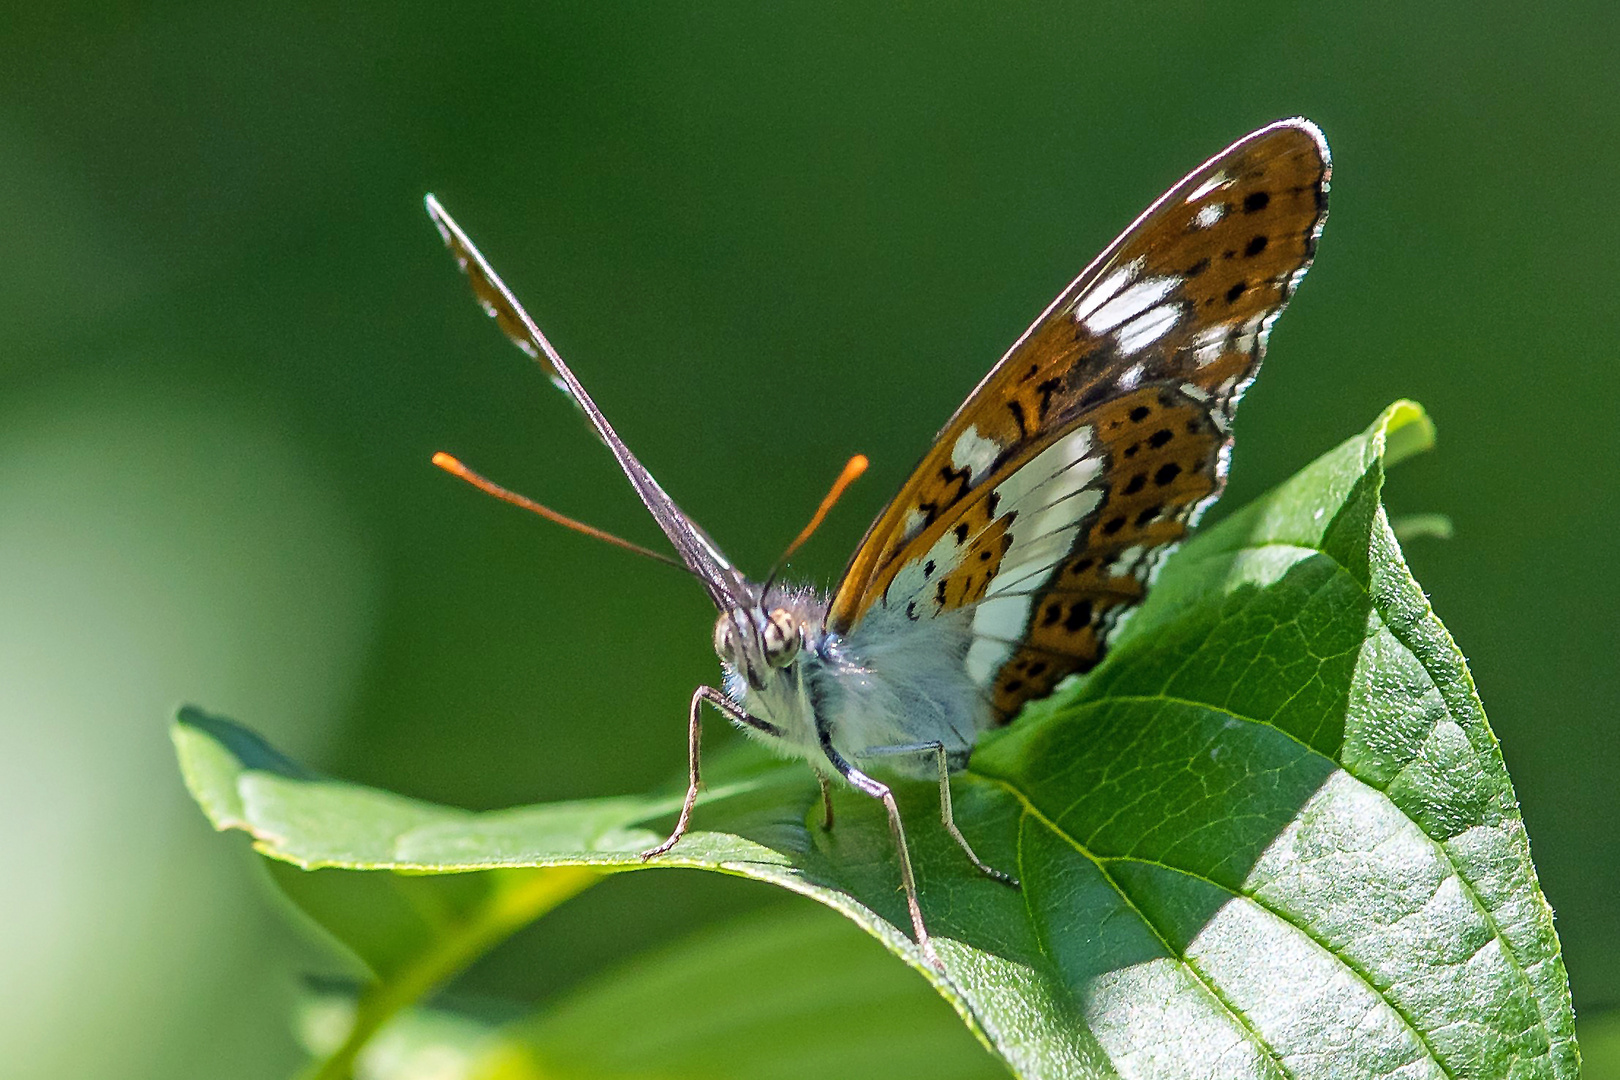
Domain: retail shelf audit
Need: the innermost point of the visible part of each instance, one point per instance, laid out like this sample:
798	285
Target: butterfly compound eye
725	640
781	635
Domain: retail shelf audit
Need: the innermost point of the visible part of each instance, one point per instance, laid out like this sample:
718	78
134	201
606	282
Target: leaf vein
1242	1021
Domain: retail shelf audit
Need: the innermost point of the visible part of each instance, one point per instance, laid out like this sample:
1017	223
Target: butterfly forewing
698	551
1050	497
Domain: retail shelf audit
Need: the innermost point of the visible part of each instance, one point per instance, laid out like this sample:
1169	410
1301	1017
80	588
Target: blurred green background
767	237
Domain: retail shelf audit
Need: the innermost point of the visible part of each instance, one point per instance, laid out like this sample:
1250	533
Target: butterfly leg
946	816
826	802
694	742
880	791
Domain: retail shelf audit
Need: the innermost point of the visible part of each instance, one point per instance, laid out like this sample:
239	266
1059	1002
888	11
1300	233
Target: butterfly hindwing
1163	458
1050	497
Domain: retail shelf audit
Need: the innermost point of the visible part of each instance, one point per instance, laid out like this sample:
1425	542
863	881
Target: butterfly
1036	520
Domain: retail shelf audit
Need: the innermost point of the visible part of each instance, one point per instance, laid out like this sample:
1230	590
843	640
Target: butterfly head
768	636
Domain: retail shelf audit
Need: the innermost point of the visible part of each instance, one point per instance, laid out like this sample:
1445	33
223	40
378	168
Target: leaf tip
1404	429
213	753
193	728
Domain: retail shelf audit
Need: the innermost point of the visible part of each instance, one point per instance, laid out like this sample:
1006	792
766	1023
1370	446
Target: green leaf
793	994
1272	836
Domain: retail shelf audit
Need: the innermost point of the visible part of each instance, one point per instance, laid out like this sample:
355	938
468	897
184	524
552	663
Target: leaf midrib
1209	986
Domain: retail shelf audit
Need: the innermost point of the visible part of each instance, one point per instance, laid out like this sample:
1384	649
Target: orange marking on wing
968	515
1164	452
981	561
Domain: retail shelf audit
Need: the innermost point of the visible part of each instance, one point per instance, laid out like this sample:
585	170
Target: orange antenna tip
853	469
455	468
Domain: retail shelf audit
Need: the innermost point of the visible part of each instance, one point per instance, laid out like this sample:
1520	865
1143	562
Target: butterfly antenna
852	472
455	468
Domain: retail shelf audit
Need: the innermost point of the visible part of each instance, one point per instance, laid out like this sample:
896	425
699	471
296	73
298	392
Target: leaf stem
522	897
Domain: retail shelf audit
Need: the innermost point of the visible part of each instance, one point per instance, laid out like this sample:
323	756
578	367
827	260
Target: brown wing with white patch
1051	495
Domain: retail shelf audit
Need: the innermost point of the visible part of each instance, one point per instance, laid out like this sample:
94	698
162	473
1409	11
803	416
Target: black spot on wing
1079	616
1047	389
959	477
1017	409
